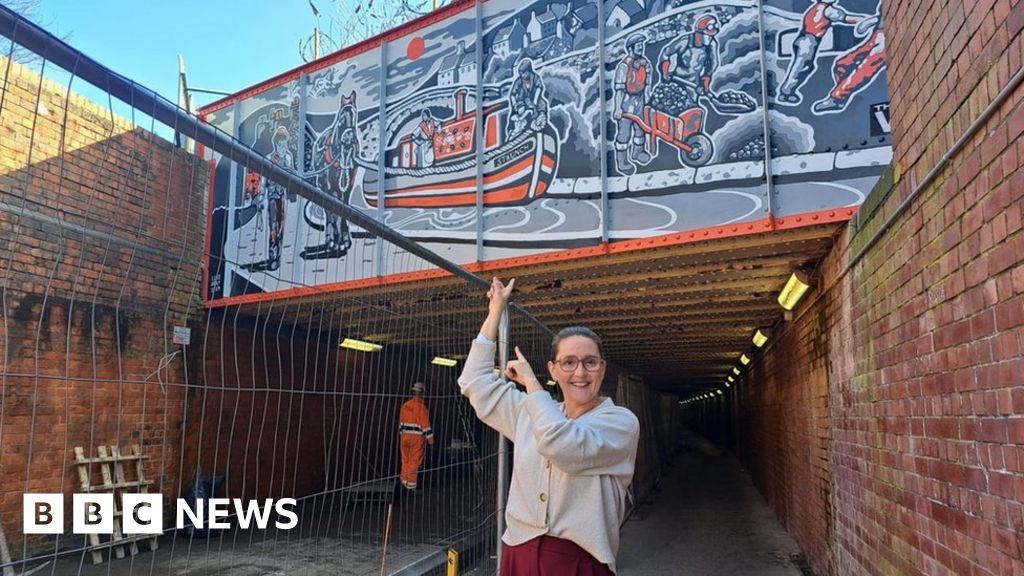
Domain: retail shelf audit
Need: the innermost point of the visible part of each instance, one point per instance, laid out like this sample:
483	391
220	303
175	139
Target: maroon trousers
550	556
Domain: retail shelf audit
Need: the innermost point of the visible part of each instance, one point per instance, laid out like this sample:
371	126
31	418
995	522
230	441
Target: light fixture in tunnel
361	345
730	379
719	392
551	383
744	359
728	384
735	370
442	361
760	338
794	290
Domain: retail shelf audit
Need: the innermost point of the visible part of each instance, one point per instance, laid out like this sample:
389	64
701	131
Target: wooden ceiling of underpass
679	316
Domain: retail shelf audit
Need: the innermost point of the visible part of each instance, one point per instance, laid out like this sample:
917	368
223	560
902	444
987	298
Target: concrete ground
333	538
708	519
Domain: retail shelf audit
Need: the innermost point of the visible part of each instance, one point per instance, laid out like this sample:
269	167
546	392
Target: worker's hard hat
418	388
707	24
635	38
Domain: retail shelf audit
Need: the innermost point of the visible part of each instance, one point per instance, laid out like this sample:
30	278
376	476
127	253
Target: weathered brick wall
98	223
783	424
884	423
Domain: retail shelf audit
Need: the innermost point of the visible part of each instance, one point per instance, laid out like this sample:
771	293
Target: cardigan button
543	497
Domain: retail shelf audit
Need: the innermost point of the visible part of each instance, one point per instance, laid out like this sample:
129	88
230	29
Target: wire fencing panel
117	378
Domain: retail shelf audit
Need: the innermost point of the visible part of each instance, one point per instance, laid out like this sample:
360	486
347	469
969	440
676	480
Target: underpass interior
875	430
678	324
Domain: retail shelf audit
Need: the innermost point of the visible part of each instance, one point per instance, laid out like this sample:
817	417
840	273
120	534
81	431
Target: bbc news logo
144	513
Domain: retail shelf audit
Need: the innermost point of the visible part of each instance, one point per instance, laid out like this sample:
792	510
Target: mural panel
579	121
260	244
430	166
341	133
220	211
686	138
541	80
826	70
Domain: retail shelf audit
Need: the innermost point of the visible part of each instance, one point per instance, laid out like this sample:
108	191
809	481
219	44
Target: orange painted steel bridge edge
769	224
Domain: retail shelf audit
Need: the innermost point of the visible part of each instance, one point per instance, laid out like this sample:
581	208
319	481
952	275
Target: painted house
457	68
467	67
623	13
563	29
541	26
509	40
584	16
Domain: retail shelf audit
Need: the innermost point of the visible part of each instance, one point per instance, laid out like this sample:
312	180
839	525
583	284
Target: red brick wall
884	423
784	428
97	221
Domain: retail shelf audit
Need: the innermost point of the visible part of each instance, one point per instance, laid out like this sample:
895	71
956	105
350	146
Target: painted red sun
415	48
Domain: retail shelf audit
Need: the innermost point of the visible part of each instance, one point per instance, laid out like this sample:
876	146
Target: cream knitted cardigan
569	477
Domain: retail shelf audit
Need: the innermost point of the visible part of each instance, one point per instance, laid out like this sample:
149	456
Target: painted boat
515	170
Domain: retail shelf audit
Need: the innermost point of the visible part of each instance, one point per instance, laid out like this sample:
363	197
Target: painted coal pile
753	150
671	98
736	97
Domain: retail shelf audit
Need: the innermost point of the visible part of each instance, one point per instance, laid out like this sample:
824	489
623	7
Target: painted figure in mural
856	69
527	102
816	22
690	61
259	193
275	194
423	139
334	158
632	76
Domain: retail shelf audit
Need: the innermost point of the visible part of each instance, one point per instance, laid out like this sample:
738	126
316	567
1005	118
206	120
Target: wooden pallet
111	464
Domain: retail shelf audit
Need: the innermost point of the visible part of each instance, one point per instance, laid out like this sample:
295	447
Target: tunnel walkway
708	519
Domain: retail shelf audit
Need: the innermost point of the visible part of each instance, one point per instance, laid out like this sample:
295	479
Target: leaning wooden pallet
116	483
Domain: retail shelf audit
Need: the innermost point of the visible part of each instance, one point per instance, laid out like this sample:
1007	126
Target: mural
553	124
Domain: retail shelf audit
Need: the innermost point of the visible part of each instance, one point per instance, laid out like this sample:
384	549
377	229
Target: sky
228	45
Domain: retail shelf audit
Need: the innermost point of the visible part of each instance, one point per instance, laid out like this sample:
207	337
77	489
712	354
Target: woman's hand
520	371
498	295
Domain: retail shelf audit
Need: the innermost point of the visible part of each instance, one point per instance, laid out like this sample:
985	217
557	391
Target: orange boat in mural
517	168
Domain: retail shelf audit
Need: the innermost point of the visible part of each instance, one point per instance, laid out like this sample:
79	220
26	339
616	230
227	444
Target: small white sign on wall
182	335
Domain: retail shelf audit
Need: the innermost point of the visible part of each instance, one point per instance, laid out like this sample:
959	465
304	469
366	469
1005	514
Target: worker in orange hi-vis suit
414	430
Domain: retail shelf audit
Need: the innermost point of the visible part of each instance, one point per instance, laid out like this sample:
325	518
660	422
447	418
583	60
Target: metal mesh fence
117	378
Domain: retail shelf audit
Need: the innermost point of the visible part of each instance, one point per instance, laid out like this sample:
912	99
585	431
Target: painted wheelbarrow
684	132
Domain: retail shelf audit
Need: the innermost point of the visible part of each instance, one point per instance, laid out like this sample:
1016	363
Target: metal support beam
765	117
479	119
602	119
503	344
382	202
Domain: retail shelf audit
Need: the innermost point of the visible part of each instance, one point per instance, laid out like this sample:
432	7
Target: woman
573	461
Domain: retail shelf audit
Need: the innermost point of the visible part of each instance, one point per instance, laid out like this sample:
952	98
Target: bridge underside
680	316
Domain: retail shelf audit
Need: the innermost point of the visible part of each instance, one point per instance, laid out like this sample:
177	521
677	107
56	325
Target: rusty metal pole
503	343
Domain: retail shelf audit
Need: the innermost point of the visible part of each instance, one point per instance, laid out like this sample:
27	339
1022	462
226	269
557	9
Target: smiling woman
573	461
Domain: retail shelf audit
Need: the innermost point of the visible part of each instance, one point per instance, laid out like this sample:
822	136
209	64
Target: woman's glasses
569	364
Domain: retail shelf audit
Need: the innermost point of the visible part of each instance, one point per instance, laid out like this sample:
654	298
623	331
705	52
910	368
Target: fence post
503	342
